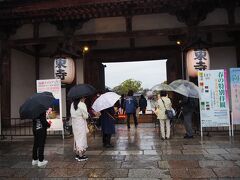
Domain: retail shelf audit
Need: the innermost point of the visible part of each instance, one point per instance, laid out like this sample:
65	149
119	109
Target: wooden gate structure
115	30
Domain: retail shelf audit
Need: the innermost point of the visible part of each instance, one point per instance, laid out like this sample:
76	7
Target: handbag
169	113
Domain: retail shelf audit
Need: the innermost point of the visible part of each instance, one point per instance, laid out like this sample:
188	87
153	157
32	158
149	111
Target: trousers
39	143
134	118
188	123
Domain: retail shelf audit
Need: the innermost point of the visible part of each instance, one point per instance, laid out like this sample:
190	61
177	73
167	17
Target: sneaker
77	157
82	158
42	163
34	162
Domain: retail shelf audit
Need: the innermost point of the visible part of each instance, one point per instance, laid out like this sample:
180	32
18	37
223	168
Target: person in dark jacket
142	104
40	126
130	106
108	126
188	107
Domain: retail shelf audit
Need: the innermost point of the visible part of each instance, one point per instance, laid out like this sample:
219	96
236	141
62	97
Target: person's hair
130	93
142	96
75	103
163	93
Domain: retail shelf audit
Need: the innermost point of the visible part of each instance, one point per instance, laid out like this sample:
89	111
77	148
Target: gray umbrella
36	105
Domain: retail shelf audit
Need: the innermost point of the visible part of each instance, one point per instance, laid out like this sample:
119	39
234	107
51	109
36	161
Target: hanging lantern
64	69
197	60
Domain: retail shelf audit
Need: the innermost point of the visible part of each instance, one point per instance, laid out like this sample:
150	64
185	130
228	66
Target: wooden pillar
37	49
94	74
5	60
129	29
238	54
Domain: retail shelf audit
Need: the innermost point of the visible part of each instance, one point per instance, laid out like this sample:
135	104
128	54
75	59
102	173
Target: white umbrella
105	101
162	87
186	88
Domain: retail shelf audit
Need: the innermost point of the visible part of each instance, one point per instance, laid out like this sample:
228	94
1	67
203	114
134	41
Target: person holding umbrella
108	126
105	105
35	108
79	116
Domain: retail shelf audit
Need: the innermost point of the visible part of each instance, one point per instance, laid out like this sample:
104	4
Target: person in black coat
108	126
188	107
142	104
40	126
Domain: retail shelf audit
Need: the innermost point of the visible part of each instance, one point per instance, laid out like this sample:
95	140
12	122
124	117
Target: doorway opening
149	73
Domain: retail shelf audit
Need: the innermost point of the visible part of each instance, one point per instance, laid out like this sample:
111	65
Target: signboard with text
214	101
55	116
235	94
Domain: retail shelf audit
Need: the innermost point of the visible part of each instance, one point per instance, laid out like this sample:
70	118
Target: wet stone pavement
138	154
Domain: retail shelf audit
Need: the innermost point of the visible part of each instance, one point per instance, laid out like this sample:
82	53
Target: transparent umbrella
185	87
162	87
105	101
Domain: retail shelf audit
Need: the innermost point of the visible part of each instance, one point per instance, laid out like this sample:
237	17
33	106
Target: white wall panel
155	21
103	25
23	82
218	16
223	57
46	68
47	29
25	31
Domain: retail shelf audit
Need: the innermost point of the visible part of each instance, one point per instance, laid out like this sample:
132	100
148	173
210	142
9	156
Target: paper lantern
64	69
197	60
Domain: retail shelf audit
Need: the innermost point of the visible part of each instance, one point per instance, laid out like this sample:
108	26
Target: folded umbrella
81	90
36	105
105	101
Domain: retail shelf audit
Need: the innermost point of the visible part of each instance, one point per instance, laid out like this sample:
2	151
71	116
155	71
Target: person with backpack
130	106
188	107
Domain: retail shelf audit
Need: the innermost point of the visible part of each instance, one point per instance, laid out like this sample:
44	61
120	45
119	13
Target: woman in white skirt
79	115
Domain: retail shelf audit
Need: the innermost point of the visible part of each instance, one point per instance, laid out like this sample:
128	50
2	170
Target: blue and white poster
214	101
235	94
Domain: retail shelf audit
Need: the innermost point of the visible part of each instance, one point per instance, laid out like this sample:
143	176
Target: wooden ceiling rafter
94	9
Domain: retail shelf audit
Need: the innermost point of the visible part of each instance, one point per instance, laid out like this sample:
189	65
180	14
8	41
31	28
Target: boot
104	140
108	140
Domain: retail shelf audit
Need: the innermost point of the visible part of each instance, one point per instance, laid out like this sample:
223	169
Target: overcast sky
149	73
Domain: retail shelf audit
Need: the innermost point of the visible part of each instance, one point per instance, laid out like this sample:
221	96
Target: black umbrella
81	90
36	105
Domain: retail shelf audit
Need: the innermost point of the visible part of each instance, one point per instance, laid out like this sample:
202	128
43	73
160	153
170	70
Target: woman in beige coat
163	103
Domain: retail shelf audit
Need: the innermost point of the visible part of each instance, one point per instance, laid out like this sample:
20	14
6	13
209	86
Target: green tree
129	84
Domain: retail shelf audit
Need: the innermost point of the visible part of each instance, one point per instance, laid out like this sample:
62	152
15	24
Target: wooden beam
120	35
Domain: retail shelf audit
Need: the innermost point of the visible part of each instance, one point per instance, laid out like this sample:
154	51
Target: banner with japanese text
235	94
54	115
214	101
